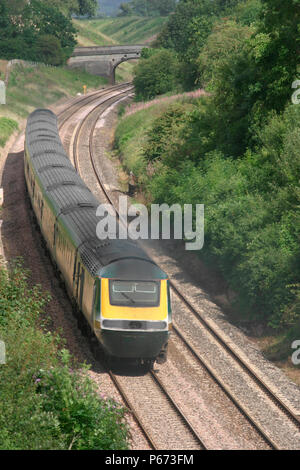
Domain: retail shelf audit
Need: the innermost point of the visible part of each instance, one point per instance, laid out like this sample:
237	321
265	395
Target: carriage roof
75	206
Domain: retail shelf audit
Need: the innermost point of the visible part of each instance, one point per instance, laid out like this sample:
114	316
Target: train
119	294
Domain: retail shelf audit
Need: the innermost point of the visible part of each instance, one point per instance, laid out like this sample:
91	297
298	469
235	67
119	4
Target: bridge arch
103	61
115	65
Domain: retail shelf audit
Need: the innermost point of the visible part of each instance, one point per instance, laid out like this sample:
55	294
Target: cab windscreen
134	294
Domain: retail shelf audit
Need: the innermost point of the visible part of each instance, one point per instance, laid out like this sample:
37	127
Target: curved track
187	427
92	118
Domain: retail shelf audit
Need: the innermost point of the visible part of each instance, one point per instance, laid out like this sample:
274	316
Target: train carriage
121	293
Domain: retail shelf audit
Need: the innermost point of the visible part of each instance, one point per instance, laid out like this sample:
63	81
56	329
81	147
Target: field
108	31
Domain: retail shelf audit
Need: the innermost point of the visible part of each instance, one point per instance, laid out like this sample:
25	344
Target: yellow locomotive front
134	311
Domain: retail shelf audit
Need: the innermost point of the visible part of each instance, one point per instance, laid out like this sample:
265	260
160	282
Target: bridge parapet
107	50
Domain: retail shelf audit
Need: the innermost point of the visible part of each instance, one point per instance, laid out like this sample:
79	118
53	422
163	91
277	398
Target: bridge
103	60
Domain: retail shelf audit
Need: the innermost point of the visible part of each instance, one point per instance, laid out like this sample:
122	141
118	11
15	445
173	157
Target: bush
184	131
85	420
252	230
162	141
156	75
47	401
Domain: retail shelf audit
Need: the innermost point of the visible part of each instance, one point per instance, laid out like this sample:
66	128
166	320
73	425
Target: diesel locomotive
123	296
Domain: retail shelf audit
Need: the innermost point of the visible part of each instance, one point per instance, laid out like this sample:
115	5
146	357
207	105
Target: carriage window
134	294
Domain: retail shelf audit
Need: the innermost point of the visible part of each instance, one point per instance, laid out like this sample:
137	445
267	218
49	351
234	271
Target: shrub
47	400
85	420
161	138
251	226
156	75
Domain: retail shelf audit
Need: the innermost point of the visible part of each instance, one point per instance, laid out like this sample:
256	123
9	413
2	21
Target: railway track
93	116
137	415
77	103
98	110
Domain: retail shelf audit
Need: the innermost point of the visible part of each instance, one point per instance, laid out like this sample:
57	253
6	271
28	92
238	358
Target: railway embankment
251	383
246	263
31	86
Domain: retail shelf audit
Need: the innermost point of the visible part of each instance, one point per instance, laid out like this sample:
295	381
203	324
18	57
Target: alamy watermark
296	94
136	223
296	354
2	353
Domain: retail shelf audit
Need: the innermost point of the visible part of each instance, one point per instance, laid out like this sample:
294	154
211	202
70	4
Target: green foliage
7	127
125	10
226	41
226	69
46	401
252	229
163	132
167	138
187	30
77	7
276	49
85	420
87	7
156	75
247	13
49	50
23	36
237	150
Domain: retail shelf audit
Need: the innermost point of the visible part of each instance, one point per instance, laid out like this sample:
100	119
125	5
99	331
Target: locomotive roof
125	269
72	202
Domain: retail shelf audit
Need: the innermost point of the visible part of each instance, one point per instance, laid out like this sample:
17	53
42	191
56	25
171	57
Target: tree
163	7
276	50
47	20
186	32
67	7
49	50
125	9
156	75
87	7
226	40
77	7
23	36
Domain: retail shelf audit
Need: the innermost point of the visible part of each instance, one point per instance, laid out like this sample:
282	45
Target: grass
109	31
88	36
7	127
41	86
131	137
124	71
3	64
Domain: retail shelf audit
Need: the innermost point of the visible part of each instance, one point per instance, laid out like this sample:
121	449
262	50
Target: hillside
34	87
128	30
109	31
